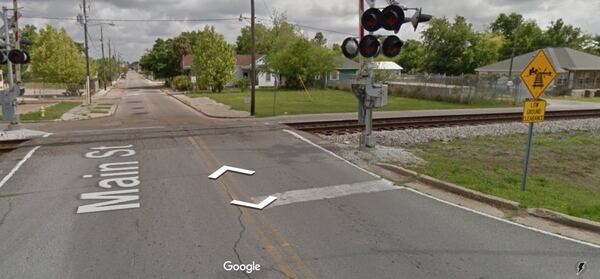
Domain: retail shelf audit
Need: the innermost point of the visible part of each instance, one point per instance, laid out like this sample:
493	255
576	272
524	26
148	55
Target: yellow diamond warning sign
538	75
534	111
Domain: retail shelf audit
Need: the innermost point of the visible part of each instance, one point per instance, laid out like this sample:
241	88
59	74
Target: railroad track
402	123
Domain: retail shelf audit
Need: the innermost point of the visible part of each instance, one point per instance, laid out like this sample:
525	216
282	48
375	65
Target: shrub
243	84
182	83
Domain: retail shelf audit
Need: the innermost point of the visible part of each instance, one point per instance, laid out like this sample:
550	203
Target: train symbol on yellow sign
538	75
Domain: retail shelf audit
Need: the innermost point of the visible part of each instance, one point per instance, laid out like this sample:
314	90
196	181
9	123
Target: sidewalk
104	104
208	106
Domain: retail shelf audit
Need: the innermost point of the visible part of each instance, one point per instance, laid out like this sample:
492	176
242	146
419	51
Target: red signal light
371	19
392	18
18	57
392	46
369	46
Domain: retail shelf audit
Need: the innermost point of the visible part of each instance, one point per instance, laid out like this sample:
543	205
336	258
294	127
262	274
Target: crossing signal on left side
18	57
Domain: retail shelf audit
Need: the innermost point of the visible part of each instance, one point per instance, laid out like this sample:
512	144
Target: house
243	69
578	71
390	68
344	73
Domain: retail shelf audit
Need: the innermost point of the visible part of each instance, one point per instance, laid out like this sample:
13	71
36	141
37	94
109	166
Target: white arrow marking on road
225	169
259	206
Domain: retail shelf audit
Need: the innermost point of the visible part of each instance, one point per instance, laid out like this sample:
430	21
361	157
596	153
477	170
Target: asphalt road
332	220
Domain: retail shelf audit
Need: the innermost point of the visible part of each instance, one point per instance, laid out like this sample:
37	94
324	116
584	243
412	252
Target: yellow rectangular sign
534	111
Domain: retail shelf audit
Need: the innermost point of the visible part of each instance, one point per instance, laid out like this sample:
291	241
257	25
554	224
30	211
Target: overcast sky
132	38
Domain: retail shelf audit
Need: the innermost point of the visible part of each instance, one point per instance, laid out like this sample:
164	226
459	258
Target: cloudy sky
338	17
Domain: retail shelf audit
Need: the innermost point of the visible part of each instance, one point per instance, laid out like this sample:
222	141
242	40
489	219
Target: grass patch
563	174
322	101
577	99
52	113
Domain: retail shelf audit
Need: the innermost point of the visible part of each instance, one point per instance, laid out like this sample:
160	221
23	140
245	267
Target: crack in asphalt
237	254
6	213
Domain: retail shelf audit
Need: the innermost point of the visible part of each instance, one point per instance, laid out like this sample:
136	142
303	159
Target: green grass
578	99
322	101
564	169
41	85
52	113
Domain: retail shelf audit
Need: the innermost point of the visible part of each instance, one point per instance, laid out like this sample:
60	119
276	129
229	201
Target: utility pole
103	58
88	96
17	39
109	63
253	74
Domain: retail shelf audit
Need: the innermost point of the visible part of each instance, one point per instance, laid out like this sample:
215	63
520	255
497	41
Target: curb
556	217
199	110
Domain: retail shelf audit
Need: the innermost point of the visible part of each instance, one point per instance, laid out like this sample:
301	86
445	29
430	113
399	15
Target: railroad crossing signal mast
371	95
10	56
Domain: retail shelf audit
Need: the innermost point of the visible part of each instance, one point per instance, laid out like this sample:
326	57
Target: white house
243	67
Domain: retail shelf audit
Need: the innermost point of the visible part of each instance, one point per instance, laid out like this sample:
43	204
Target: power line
184	20
132	20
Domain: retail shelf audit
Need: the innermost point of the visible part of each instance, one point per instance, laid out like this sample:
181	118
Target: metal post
253	74
11	77
88	97
512	59
103	58
527	156
367	137
17	39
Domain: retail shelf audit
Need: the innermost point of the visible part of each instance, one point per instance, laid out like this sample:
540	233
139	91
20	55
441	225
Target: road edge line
298	136
18	166
503	220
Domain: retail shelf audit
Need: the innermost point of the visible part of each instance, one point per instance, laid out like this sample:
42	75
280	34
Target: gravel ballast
418	136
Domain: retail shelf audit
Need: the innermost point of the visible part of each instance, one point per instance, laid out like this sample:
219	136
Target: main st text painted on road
115	175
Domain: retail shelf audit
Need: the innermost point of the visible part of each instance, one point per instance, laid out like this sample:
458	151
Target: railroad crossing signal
391	18
538	75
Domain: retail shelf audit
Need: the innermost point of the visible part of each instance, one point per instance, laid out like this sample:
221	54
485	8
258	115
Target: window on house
334	75
268	77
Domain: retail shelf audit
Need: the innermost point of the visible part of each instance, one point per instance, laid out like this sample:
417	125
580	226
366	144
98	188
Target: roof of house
563	59
388	65
344	63
245	59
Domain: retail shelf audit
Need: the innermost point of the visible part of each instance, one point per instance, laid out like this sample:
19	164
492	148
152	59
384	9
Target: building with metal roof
577	71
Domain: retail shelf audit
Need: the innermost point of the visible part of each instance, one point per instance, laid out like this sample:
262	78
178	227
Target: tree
264	40
57	57
214	60
161	61
592	45
528	34
487	49
319	39
559	34
449	46
30	32
301	61
412	56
